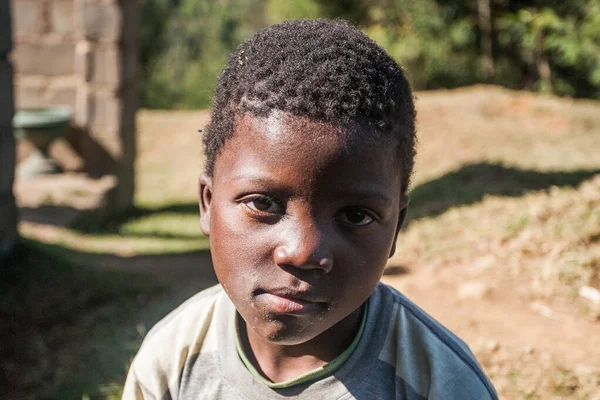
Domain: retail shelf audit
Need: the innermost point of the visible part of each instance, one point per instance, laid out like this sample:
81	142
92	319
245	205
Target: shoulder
197	310
427	356
179	337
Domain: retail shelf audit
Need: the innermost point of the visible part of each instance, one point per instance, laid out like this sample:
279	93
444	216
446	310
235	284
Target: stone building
80	53
8	212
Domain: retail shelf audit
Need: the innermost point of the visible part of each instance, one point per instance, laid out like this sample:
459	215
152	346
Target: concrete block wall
83	53
8	210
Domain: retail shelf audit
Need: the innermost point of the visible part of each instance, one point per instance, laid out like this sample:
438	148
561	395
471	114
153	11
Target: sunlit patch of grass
171	229
120	245
165	225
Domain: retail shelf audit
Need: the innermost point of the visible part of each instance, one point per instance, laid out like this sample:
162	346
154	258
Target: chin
283	334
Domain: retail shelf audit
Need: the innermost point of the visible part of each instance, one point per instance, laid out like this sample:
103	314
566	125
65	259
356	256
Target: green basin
42	125
40	118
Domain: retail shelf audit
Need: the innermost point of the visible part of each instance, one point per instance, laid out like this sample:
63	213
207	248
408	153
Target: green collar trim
315	374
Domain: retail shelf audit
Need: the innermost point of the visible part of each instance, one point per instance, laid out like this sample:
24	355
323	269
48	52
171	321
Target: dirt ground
536	338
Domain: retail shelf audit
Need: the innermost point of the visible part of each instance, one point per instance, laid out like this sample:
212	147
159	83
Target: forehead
284	131
283	136
283	145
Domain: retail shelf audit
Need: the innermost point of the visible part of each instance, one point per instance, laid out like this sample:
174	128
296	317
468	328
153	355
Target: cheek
236	250
235	237
365	272
362	265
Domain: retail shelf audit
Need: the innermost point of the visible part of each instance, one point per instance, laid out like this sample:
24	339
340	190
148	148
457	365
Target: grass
502	178
74	329
56	315
499	126
522	177
543	245
473	182
550	237
154	230
527	374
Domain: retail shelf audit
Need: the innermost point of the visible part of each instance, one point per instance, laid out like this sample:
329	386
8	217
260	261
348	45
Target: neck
280	363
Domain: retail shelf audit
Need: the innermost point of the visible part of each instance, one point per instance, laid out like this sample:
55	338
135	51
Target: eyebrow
262	181
368	193
254	178
365	194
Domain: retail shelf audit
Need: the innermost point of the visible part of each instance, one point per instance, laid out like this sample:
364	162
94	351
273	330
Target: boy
308	159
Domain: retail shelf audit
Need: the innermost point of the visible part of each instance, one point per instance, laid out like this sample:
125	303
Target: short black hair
321	69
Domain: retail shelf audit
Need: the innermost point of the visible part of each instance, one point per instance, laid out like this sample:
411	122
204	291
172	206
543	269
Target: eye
264	205
355	216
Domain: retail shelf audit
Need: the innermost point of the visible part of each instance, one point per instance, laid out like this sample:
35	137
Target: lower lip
284	305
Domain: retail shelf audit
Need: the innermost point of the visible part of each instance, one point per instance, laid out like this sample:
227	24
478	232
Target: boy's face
301	223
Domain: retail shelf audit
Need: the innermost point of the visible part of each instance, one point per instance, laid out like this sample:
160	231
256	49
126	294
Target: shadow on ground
68	329
471	183
87	221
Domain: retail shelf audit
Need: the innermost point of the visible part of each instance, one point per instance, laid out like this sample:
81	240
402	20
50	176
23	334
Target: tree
535	44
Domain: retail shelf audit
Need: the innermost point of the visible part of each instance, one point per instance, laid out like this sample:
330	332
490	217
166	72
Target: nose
304	246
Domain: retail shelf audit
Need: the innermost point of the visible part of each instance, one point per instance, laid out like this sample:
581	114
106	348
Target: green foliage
569	43
540	44
278	11
195	39
434	52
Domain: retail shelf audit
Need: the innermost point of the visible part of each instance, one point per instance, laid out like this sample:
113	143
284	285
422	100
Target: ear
401	217
204	199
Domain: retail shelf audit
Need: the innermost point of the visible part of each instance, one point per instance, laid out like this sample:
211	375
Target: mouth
288	301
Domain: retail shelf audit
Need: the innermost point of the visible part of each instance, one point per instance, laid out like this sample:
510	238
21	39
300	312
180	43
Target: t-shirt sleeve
136	390
169	346
430	359
144	383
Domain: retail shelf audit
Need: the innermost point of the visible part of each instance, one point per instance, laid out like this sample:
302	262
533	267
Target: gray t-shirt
402	354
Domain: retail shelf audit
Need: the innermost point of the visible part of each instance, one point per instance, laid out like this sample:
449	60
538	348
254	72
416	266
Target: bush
539	45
